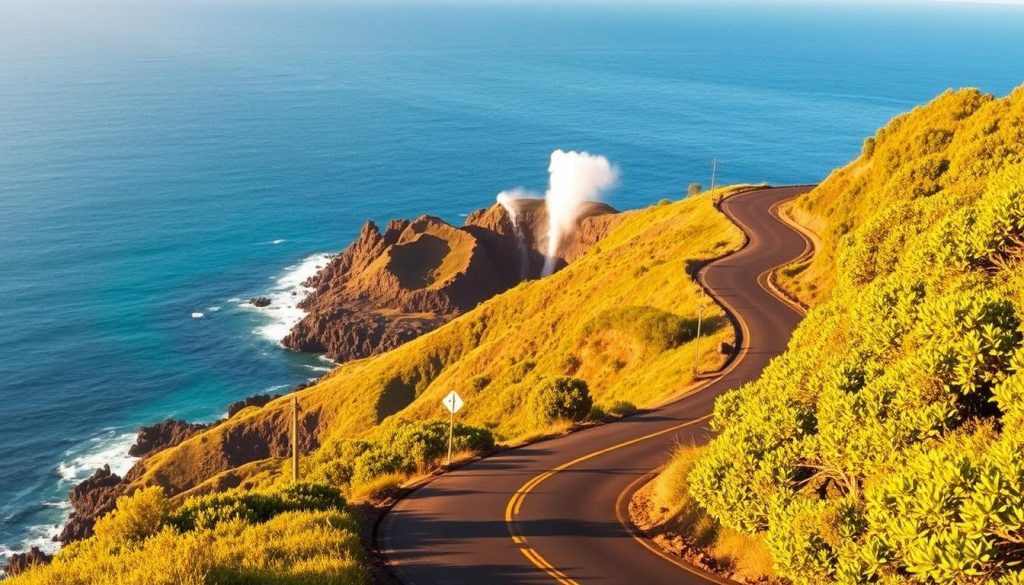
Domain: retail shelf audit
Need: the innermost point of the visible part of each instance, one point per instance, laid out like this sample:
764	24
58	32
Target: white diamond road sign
453	402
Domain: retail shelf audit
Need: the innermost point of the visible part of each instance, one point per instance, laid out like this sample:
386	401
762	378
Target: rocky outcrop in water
260	400
168	433
391	286
20	562
91	499
260	302
257	400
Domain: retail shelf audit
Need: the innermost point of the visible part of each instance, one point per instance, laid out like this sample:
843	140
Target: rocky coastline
392	285
384	289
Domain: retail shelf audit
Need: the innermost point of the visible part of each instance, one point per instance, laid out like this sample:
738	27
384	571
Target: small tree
694	189
138	516
562	398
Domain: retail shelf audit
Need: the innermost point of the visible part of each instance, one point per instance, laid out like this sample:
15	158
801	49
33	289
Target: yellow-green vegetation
621	319
398	449
297	536
675	511
885	445
612	330
950	147
563	398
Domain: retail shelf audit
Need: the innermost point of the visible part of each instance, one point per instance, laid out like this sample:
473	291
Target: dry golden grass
673	511
293	548
496	354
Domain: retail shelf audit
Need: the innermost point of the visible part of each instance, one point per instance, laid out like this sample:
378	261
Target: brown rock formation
257	400
260	400
260	301
162	435
390	287
91	499
21	562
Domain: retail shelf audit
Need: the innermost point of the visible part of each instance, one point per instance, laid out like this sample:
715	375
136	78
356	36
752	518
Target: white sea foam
108	447
285	296
213	309
42	536
198	315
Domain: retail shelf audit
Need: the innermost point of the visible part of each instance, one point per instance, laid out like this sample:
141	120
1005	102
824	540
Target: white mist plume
574	178
506	200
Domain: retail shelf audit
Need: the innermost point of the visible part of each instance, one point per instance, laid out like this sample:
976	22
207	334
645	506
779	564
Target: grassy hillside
867	212
621	318
885	445
297	536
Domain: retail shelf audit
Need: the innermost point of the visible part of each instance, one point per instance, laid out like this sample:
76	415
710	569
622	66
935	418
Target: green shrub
332	463
378	461
659	330
563	398
622	408
884	445
137	517
405	447
254	507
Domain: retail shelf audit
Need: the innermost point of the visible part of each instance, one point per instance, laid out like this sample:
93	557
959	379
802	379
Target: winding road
553	510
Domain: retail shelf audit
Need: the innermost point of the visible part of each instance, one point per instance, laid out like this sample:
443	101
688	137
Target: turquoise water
161	160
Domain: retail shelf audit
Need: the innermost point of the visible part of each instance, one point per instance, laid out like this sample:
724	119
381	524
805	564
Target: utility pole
696	346
714	172
295	439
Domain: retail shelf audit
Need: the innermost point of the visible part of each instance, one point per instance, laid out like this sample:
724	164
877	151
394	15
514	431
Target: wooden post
696	347
451	432
295	439
714	171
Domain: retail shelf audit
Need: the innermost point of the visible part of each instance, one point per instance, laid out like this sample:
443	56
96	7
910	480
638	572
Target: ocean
160	163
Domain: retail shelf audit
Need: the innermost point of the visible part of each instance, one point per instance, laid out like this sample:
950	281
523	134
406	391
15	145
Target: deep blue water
160	160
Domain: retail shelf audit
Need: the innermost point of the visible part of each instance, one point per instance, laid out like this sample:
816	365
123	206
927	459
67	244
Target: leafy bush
379	461
254	507
563	398
883	446
137	517
659	330
400	447
422	444
622	408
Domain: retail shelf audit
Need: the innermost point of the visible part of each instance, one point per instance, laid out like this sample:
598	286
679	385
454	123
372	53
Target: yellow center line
516	502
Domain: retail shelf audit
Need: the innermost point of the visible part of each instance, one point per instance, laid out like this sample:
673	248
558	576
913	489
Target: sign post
453	402
696	348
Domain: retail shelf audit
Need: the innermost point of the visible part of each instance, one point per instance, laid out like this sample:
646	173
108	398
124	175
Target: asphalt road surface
552	511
